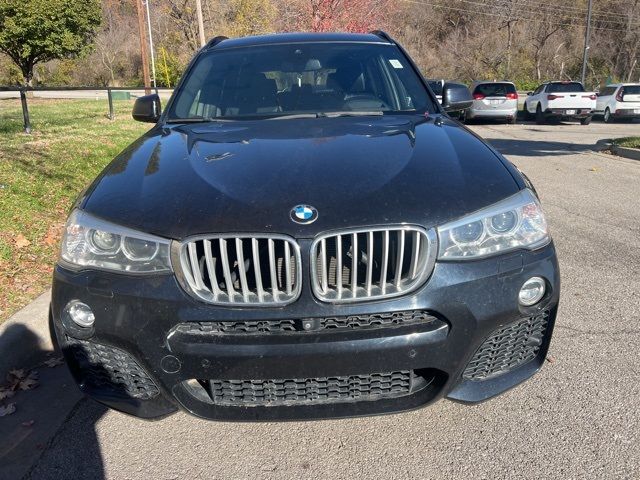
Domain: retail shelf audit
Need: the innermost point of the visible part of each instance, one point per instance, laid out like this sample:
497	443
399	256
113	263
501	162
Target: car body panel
246	176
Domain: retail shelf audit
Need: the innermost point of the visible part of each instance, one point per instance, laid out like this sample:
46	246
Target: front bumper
142	356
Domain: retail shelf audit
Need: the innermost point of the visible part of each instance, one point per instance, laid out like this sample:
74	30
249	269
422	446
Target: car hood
182	180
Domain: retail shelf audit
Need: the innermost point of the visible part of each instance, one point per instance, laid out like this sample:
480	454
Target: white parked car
560	100
495	100
619	101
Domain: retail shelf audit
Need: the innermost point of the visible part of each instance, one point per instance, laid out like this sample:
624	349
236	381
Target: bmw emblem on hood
304	214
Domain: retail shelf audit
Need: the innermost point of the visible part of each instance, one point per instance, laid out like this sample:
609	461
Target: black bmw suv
304	233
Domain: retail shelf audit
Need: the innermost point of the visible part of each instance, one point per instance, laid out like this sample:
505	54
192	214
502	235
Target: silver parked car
494	100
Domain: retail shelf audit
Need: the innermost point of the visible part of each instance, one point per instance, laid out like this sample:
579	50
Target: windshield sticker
395	63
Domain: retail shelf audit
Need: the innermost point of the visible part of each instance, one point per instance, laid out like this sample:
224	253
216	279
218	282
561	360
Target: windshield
568	87
276	80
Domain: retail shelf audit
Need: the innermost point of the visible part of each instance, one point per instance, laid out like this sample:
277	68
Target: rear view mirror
147	108
529	94
456	97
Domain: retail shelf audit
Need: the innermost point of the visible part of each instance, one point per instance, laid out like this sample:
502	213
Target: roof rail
214	41
382	34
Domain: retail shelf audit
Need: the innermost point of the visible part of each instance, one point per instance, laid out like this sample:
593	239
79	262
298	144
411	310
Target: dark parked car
304	233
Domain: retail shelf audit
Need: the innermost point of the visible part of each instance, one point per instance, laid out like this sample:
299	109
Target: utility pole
587	33
143	47
200	23
153	59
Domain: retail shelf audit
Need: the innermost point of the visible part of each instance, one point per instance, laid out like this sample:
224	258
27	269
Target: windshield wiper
198	120
349	113
290	116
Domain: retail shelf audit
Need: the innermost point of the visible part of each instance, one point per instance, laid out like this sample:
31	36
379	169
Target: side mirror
456	97
529	94
147	108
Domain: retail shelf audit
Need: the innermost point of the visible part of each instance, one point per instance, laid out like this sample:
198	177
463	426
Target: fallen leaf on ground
7	410
21	241
551	359
593	169
53	234
18	373
30	382
5	393
54	362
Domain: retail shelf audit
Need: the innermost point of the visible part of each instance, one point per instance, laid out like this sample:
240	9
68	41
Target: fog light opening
532	291
80	313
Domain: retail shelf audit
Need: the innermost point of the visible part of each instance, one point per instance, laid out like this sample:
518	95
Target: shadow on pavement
532	148
28	445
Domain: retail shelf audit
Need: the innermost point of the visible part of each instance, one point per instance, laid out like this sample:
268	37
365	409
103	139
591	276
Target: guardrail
25	107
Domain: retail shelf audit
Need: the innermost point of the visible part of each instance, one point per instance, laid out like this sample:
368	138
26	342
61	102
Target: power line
580	12
528	9
520	17
564	8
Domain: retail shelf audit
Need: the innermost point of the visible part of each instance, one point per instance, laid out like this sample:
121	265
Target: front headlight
516	222
95	243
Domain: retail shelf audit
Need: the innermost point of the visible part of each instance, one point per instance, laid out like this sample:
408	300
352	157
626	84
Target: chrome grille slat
211	268
399	259
339	264
354	264
369	261
385	262
195	266
415	254
255	249
272	270
240	269
323	264
287	266
224	253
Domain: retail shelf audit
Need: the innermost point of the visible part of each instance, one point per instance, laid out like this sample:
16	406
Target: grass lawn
40	176
629	142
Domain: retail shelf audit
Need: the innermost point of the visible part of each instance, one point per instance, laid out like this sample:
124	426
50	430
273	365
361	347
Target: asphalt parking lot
578	418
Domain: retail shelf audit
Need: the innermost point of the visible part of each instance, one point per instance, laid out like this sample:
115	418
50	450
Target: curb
24	338
624	152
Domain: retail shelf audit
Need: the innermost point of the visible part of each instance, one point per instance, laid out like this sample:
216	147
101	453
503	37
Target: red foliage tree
344	15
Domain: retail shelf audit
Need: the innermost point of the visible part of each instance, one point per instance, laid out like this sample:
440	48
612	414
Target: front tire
607	117
540	120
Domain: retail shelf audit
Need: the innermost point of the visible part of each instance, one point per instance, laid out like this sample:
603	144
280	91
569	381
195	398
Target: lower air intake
110	369
508	348
298	391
